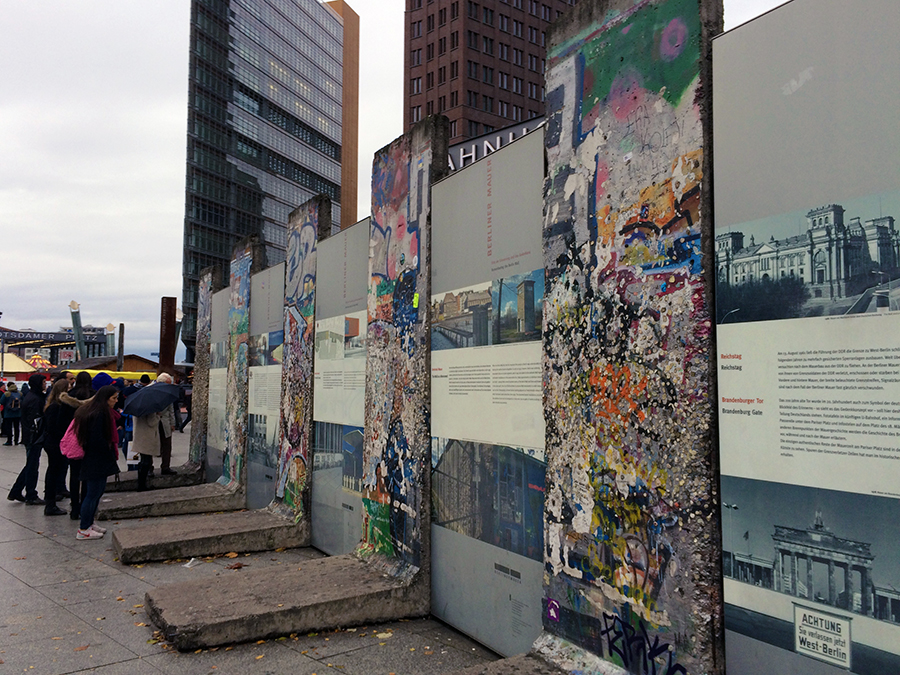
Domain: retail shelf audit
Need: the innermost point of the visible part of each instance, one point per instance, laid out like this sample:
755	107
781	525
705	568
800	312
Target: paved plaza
68	606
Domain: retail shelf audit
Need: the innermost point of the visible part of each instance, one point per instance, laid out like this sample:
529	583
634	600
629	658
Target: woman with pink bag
97	435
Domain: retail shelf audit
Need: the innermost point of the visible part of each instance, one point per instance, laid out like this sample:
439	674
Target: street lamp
731	508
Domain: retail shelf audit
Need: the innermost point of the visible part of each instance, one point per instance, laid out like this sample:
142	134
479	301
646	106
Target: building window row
216	29
256	154
280	73
289	20
211	51
298	44
254	103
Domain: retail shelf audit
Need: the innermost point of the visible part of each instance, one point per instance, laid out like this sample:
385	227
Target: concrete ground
67	606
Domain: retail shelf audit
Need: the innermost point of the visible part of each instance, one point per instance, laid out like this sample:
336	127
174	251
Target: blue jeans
93	491
28	476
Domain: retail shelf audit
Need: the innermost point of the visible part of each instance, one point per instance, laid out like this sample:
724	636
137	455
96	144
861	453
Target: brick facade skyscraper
479	63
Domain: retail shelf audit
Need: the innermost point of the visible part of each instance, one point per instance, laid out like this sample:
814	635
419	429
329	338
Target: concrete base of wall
322	594
189	474
195	536
203	498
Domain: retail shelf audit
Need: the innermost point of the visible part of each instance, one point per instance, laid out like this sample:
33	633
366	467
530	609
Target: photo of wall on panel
218	371
807	255
265	354
339	389
488	463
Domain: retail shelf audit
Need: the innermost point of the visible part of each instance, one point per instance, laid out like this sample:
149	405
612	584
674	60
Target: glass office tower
264	127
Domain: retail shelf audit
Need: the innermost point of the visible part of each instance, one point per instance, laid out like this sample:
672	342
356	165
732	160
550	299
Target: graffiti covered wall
630	529
200	395
246	260
306	225
396	456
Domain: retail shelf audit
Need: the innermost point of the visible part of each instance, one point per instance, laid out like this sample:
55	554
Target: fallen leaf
81	649
260	642
281	604
120	599
22	558
279	550
383	636
140	623
429	652
56	638
138	606
101	618
234	566
152	641
228	649
260	656
231	555
199	651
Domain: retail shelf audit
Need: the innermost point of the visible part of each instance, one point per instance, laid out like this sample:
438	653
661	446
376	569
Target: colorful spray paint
200	395
248	258
630	516
396	456
307	224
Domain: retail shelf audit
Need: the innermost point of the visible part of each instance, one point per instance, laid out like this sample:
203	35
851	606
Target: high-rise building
479	63
272	122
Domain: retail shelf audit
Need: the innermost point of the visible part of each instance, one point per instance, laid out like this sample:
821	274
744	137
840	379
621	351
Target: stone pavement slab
526	664
206	535
324	593
202	498
63	654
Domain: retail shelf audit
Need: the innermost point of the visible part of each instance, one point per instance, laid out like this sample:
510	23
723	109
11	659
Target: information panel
487	412
264	415
339	393
807	254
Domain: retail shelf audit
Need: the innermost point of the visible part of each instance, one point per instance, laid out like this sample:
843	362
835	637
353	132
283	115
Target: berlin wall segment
633	558
248	259
307	225
200	395
397	450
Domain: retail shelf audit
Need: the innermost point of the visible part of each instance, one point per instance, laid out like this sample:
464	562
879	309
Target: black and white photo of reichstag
839	265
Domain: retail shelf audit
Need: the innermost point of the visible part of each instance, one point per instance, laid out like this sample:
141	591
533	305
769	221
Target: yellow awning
128	375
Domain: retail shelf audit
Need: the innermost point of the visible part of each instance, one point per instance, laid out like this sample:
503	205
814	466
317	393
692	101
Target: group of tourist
78	422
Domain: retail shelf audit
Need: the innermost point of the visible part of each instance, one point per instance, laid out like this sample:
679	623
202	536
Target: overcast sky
93	118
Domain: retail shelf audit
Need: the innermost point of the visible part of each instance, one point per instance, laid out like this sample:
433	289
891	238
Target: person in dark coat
58	413
33	437
80	393
12	413
96	432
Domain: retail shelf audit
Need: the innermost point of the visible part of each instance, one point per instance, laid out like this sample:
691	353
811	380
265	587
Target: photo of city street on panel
502	311
833	259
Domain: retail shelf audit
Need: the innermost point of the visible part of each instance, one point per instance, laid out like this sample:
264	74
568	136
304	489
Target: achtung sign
822	636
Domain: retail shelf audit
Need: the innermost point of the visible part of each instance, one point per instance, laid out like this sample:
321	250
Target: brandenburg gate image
798	551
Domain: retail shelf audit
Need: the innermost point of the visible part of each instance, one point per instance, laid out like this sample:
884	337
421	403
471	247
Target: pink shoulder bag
69	444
